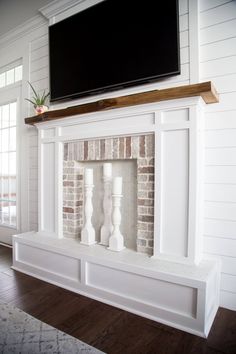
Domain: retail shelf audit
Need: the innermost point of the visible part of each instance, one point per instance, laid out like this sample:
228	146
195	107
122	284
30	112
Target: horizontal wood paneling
40	63
228	265
40	74
220	138
183	7
220	193
219	246
220	228
219	156
184	39
220	211
183	22
225	84
39	53
228	282
218	32
218	67
39	42
223	13
220	174
220	49
227	299
209	4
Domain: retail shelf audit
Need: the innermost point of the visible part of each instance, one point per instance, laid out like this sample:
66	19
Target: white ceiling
15	12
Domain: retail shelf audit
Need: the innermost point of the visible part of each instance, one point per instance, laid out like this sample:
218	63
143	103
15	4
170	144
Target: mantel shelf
206	90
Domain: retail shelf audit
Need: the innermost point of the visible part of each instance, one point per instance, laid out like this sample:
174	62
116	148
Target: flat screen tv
111	45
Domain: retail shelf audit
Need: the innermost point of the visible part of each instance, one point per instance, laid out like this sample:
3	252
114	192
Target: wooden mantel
206	90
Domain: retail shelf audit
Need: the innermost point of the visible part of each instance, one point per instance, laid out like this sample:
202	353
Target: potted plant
39	101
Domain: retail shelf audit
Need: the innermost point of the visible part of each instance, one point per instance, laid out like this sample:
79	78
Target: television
111	45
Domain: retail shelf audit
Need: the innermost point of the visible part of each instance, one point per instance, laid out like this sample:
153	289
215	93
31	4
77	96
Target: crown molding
58	10
57	6
21	30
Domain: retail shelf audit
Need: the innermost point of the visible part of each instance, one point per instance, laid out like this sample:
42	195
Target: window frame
9	94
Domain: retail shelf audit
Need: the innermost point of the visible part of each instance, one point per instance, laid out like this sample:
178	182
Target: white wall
217	34
218	64
15	12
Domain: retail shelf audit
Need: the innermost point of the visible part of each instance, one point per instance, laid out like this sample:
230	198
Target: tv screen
113	44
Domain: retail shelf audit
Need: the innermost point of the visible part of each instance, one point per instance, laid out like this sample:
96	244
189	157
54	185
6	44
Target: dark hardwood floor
105	327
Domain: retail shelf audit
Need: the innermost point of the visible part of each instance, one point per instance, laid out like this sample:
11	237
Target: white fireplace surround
184	287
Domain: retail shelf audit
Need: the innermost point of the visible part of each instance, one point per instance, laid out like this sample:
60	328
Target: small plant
37	99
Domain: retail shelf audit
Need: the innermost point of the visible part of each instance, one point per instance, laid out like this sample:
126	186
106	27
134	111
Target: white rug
21	333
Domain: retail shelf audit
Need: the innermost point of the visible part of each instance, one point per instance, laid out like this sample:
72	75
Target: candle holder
107	227
88	232
116	240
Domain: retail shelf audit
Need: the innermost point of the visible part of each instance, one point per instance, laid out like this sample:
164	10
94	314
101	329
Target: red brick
128	147
102	149
68	210
86	150
142	146
147	169
121	148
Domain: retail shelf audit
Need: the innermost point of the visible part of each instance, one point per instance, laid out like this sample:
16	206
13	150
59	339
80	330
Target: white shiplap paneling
218	63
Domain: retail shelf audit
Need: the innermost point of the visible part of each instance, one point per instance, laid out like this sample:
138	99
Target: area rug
21	333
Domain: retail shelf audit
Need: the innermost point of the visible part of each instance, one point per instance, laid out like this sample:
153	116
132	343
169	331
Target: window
8	186
11	76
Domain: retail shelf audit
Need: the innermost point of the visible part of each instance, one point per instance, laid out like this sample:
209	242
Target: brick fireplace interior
132	158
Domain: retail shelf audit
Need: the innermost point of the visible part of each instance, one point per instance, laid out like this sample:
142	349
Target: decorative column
116	241
107	227
88	232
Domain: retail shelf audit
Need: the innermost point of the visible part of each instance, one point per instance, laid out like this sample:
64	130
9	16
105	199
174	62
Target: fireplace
132	157
158	149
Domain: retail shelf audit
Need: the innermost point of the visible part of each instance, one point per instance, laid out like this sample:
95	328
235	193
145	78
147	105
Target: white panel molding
184	297
59	10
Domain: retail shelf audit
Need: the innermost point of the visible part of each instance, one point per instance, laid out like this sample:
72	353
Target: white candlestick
116	240
117	186
88	179
107	169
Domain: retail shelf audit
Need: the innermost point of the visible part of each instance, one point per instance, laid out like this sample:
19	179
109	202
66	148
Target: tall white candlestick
107	169
117	186
88	178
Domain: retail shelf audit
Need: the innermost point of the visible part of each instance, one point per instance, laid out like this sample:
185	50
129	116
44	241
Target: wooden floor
105	327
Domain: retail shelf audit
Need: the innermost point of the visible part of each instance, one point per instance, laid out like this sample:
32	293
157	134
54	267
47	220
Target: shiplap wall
217	20
39	77
217	31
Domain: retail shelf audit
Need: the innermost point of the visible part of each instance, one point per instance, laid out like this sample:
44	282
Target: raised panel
180	299
48	188
174	192
109	126
51	262
175	116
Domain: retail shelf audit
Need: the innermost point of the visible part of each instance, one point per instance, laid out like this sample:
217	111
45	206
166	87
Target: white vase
40	109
